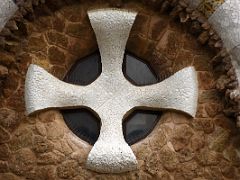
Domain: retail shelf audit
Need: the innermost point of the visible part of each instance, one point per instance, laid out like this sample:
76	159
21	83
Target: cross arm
43	91
178	92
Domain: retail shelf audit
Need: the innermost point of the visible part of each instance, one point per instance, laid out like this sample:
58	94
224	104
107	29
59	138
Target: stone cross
111	96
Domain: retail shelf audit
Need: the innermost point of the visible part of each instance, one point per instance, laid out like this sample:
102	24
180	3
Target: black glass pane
139	124
85	71
85	124
138	72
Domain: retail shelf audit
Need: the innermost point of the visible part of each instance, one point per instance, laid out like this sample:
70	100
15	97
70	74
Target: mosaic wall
42	146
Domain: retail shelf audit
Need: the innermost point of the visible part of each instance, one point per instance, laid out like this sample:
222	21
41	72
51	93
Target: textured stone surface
8	118
22	161
4	152
3	71
189	164
4	135
226	22
173	93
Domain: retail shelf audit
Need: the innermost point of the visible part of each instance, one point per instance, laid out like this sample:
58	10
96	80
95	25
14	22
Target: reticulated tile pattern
111	95
7	9
208	7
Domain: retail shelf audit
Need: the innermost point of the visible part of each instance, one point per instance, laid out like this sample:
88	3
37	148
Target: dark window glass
85	71
85	124
139	124
137	71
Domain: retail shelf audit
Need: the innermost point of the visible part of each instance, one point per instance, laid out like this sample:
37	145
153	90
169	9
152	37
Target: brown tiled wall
42	147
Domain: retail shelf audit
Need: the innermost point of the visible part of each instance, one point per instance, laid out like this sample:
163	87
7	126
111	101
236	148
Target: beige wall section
180	147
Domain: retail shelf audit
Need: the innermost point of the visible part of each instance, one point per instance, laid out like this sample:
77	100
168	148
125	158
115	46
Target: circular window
85	124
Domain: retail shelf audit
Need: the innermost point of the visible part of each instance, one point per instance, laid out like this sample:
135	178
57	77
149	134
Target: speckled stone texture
180	147
226	20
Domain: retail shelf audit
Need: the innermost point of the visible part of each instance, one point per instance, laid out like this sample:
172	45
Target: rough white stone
111	96
226	21
7	9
